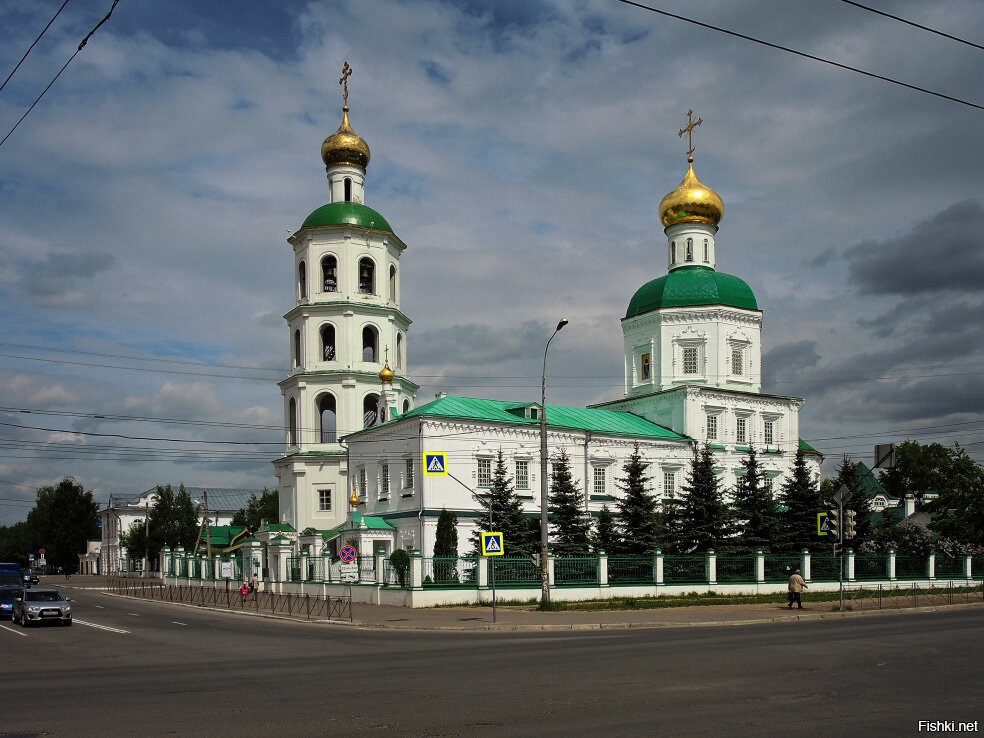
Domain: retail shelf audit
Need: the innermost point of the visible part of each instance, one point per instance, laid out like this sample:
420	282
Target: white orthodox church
692	344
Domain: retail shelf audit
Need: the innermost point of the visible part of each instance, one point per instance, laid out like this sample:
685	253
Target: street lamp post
544	519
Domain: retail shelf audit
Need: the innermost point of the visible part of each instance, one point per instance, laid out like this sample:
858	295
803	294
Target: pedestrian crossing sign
435	464
492	544
823	524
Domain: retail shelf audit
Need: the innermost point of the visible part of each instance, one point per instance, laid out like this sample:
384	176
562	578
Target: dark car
8	594
42	606
30	577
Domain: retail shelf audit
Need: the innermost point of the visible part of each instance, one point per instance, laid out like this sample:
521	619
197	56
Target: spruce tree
800	495
704	517
850	477
503	512
446	548
637	514
606	536
570	525
756	517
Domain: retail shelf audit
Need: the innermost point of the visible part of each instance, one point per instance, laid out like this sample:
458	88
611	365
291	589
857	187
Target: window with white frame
669	483
363	483
691	357
324	500
600	477
484	473
737	361
768	484
769	432
522	475
741	430
712	426
408	474
384	482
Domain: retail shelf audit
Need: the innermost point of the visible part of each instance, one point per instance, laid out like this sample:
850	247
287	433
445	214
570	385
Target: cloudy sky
520	148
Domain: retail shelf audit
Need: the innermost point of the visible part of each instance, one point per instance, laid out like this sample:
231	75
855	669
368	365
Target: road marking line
133	615
178	622
102	627
6	627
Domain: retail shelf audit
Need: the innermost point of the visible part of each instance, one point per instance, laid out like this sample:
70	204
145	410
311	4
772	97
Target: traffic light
849	530
834	523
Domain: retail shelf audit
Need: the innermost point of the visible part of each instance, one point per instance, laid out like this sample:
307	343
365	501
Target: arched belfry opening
367	276
370	343
327	418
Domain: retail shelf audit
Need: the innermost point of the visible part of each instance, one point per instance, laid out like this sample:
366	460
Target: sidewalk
512	618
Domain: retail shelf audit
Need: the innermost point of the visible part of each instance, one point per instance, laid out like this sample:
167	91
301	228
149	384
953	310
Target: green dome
692	286
346	213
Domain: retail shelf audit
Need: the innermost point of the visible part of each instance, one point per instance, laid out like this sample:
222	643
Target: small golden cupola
692	201
386	374
345	146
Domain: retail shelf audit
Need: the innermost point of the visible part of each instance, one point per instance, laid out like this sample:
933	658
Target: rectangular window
712	427
485	473
690	360
363	483
669	484
408	474
522	475
769	433
737	362
324	500
646	369
384	482
767	484
741	431
599	480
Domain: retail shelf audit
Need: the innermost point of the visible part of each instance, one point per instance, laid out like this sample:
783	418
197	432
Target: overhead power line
914	25
803	54
31	47
64	67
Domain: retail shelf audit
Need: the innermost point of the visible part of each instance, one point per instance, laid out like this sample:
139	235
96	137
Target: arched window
297	349
406	406
399	350
690	249
328	342
302	280
673	252
706	260
370	408
392	283
327	418
370	343
329	273
292	422
348	189
367	277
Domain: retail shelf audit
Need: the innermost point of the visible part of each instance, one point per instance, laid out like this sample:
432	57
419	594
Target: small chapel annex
692	363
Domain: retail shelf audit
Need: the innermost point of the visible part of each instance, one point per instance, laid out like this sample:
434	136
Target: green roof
346	213
373	522
692	286
807	448
613	422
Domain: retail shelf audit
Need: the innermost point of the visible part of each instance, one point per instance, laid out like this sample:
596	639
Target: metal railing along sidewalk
290	605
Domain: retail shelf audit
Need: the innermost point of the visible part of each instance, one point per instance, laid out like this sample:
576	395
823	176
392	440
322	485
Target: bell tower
347	335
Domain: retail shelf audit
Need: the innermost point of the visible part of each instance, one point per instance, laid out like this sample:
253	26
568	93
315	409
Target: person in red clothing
244	591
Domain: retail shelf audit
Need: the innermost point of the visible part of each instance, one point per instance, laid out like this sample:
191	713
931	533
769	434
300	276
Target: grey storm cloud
64	267
941	254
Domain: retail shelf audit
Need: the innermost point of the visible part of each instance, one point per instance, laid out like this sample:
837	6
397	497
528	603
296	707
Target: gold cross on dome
689	130
343	81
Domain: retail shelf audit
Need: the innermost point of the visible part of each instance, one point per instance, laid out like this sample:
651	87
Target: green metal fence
977	567
870	567
631	570
576	571
911	567
949	566
686	569
449	573
515	572
781	568
824	568
736	569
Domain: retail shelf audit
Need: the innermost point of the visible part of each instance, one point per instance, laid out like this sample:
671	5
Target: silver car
42	606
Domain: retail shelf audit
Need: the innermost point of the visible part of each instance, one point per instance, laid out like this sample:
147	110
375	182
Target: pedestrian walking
796	587
244	591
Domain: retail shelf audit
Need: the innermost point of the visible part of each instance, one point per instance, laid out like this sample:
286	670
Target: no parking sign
348	554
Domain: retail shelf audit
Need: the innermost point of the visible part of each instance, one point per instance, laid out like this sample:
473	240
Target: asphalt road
129	668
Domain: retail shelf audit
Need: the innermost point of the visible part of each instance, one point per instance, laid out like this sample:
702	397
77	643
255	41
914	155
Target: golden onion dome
345	146
691	202
386	374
